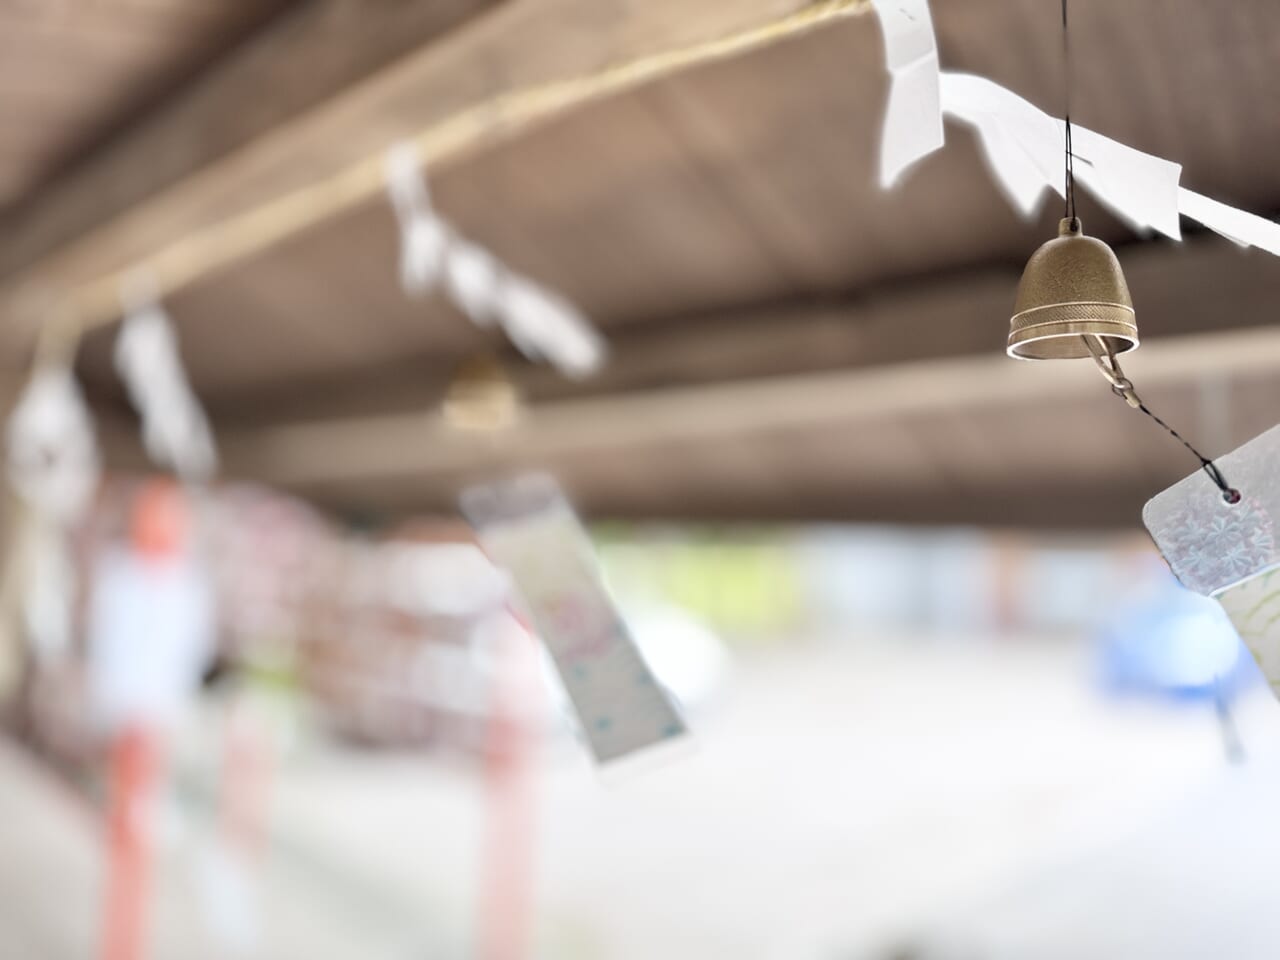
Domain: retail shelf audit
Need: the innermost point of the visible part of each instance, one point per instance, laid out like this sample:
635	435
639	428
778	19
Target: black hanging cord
1069	188
1229	493
1123	387
1103	351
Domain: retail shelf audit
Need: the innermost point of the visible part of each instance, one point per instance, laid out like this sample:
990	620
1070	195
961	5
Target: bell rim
1123	342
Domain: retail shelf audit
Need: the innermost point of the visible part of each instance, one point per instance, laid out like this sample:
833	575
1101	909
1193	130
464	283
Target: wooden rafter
521	61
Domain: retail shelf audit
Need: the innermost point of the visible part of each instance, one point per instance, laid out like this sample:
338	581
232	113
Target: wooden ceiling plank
253	91
1176	289
135	200
73	71
421	443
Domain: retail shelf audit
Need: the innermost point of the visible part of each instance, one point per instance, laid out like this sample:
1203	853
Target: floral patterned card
1229	550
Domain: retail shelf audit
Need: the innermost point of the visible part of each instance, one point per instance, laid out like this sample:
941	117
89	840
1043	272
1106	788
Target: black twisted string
1069	170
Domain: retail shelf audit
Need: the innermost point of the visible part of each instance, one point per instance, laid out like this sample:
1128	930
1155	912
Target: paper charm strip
54	467
528	528
53	456
174	427
1024	146
913	122
1230	551
541	323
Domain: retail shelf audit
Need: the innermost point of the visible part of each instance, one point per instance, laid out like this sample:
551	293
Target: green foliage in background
745	584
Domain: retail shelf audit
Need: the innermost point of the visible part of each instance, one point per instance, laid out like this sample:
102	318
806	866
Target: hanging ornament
481	396
1072	289
1230	549
174	427
542	324
1073	301
527	528
53	465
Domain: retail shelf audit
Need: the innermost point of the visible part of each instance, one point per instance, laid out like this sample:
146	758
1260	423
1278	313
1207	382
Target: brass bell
1072	288
481	397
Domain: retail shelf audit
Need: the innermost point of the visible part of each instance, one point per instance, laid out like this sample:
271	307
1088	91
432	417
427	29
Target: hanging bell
1072	288
481	397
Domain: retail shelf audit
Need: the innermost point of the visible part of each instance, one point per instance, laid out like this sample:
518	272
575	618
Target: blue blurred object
1169	640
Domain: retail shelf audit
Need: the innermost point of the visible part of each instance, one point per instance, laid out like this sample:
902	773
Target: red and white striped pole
507	876
134	777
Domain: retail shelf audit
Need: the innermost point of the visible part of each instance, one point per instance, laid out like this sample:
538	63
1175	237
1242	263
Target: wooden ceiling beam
1177	290
191	169
1076	509
222	143
344	451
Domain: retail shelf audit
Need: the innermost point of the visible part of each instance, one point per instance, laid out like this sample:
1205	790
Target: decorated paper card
1229	550
528	528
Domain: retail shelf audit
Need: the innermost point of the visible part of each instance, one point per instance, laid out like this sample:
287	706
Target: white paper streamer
1024	146
421	255
913	119
1016	174
541	324
1139	187
423	235
52	453
1246	229
54	466
1025	143
471	275
174	428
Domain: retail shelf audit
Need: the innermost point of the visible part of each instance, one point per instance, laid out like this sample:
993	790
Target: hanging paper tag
1229	551
528	528
174	427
